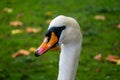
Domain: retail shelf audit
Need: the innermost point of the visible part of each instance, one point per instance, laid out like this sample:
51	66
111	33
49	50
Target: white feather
71	40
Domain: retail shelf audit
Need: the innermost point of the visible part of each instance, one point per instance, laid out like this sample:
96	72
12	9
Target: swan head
63	30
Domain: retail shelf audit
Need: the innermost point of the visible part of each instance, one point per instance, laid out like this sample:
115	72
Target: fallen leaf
118	26
16	31
21	52
118	62
33	30
48	21
112	58
98	57
8	10
20	15
97	70
32	49
99	17
1	70
48	13
16	23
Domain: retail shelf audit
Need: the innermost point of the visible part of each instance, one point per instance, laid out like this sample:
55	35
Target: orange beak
45	46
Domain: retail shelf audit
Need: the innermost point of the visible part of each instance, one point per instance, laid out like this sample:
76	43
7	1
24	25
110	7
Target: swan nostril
36	53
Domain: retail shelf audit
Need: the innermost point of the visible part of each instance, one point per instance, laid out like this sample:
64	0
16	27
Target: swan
65	31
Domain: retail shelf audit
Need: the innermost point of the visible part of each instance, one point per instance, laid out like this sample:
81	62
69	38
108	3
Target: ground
100	36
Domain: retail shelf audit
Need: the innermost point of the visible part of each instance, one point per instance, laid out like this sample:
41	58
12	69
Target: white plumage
70	40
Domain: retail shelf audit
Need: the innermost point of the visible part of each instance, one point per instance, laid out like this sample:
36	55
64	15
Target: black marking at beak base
56	30
36	53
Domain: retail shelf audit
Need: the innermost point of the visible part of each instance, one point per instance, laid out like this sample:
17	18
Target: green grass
98	37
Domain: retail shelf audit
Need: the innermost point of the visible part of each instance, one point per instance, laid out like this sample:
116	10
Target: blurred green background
100	36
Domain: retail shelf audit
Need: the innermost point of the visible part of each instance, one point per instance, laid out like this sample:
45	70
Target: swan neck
68	63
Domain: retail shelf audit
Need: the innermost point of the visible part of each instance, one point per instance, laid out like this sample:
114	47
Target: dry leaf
49	13
16	23
32	49
21	53
1	70
112	58
98	57
8	10
32	30
118	62
99	17
16	31
20	15
48	21
97	70
118	26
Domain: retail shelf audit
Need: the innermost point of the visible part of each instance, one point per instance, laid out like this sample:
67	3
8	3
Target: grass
98	37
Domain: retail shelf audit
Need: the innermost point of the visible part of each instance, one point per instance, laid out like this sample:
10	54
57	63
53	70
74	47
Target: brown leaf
99	17
49	13
21	52
118	62
8	10
97	70
32	49
1	70
118	26
16	31
112	58
33	30
16	23
98	57
48	21
20	15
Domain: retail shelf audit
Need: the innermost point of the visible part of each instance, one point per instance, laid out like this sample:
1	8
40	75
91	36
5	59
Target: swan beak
46	45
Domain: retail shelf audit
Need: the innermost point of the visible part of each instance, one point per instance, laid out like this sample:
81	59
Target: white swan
66	31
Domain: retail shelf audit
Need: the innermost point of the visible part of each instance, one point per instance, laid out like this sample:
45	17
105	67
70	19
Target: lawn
100	36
